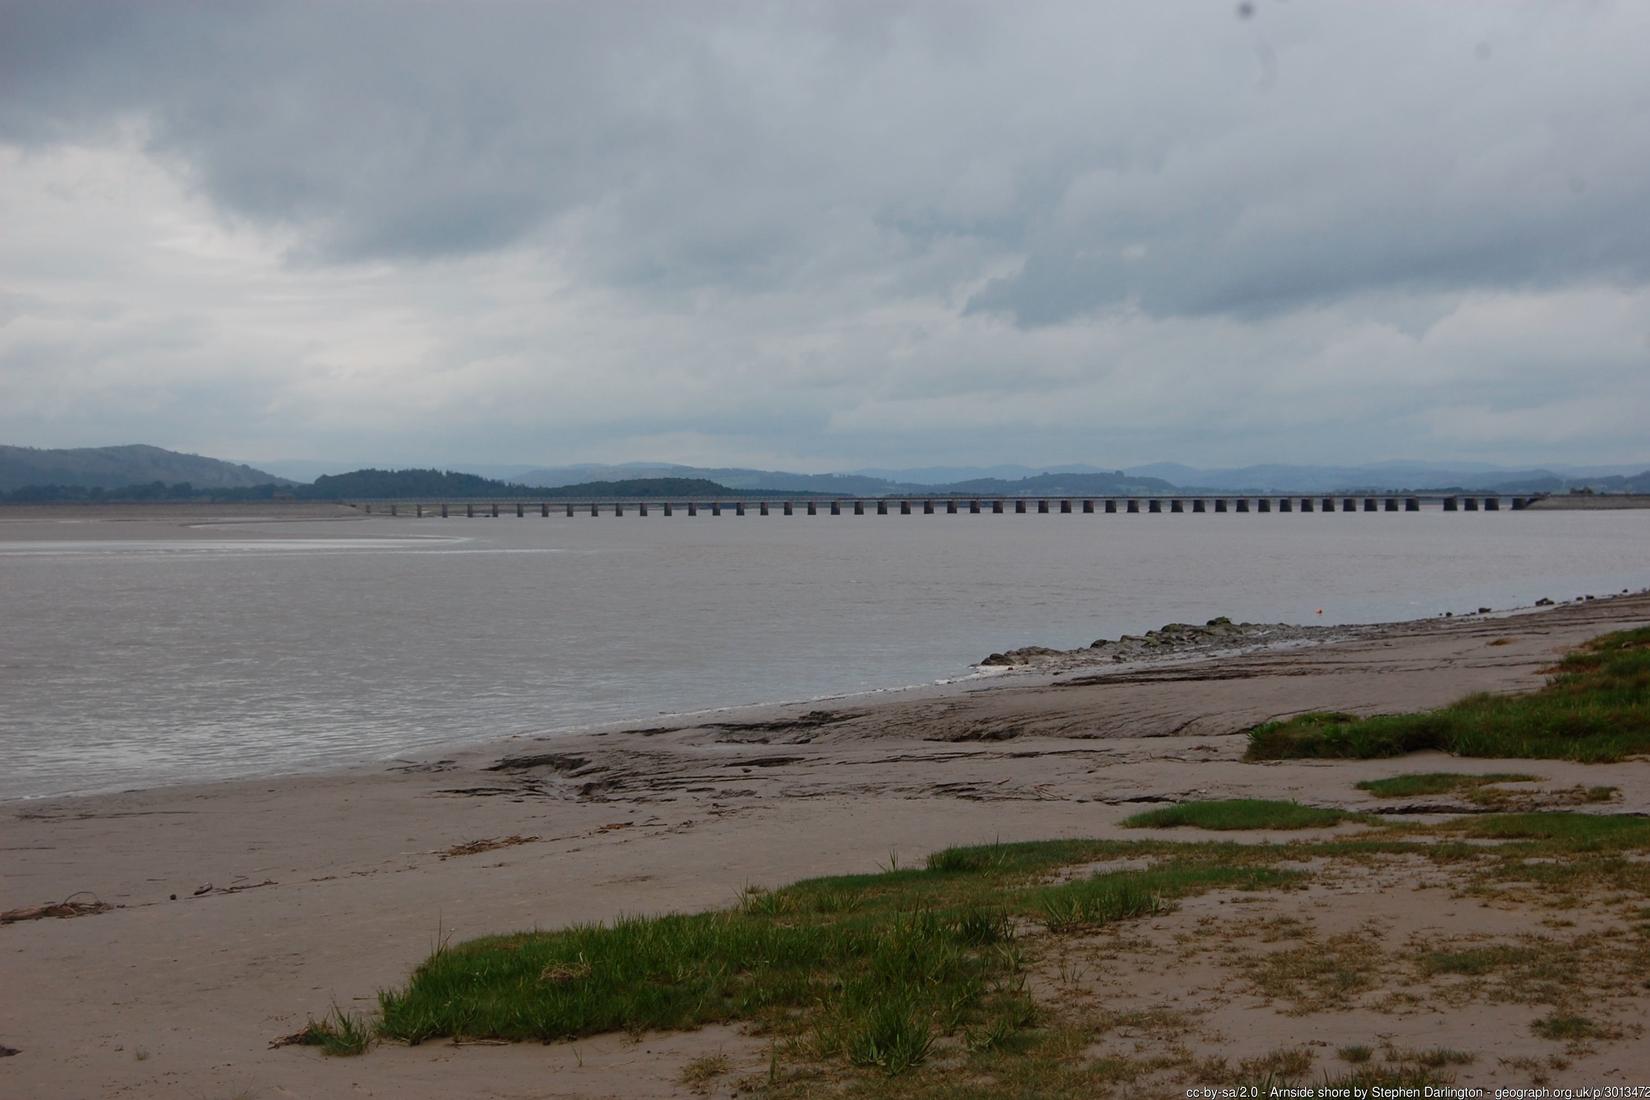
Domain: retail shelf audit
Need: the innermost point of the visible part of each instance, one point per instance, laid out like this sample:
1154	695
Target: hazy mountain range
116	467
1156	477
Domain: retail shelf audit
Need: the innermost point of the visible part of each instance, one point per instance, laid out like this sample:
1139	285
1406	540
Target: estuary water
141	654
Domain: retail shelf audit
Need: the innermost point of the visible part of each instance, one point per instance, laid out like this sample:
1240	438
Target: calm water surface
181	655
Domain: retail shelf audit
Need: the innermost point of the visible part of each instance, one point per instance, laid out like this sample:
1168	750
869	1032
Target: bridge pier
1132	506
904	507
787	508
667	509
1349	505
594	511
1412	504
859	509
693	508
1220	505
882	507
1306	504
739	508
1471	503
1019	507
1177	507
1285	504
1042	507
443	511
641	509
836	508
1110	507
1088	507
762	508
1065	507
469	511
1243	504
1492	504
927	507
569	511
1390	504
1520	503
1369	504
420	508
1264	504
544	509
1154	506
950	507
618	508
1451	504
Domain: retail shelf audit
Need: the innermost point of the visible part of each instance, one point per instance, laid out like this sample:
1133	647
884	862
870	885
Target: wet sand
293	894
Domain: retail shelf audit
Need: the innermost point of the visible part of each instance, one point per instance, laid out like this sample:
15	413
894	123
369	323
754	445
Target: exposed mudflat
239	909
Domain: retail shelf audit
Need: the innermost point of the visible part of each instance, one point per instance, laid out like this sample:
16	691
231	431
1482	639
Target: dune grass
1594	708
1239	813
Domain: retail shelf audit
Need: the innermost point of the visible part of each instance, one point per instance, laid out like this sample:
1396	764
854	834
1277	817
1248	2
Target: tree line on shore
376	485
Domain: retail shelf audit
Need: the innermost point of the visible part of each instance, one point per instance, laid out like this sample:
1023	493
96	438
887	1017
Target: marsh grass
339	1033
1422	784
1239	813
915	981
1594	708
871	969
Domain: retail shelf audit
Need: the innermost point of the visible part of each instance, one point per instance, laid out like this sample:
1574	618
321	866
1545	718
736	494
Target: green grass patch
1124	894
872	970
1239	813
1422	784
1572	832
1595	708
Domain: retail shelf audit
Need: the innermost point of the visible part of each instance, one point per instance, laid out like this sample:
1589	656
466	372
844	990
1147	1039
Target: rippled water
176	655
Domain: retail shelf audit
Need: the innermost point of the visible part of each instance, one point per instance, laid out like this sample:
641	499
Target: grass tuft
1421	784
339	1033
1239	813
1564	1027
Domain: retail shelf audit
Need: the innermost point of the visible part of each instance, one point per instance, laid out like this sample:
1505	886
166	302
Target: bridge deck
950	505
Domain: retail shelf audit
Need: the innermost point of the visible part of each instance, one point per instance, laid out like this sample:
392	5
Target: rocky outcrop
1172	639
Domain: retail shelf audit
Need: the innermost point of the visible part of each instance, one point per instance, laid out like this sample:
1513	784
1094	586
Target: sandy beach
242	908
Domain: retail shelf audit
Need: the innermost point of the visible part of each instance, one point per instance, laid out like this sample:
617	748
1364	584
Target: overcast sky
828	235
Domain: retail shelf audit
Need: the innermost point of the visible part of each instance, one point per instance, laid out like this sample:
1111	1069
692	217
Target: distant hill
117	467
867	484
733	477
436	484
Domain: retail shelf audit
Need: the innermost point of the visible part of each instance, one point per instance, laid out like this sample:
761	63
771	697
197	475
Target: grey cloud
1168	156
840	232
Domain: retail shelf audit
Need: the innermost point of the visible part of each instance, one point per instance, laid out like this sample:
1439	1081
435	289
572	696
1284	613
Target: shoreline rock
1171	639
